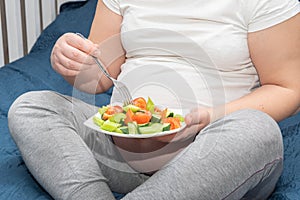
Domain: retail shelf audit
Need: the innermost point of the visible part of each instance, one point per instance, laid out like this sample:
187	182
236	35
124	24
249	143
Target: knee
257	121
260	128
23	107
251	117
26	101
249	130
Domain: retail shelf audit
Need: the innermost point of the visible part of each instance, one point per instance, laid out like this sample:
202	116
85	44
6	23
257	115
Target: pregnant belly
148	155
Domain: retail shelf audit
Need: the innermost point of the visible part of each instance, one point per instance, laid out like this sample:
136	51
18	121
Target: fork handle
102	68
97	61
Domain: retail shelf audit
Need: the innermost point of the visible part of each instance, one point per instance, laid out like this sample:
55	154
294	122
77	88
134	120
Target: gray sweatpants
239	156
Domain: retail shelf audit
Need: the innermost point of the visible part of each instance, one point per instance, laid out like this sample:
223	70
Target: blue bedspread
33	72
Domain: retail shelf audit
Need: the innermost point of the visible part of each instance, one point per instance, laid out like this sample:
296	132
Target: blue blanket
33	72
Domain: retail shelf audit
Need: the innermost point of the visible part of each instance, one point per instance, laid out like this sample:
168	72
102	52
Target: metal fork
120	86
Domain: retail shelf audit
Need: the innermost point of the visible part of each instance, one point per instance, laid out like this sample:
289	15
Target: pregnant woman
233	64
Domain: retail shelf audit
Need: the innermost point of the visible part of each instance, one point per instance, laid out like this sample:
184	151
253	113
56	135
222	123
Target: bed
33	72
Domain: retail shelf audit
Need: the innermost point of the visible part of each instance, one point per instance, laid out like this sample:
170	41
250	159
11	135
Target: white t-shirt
183	53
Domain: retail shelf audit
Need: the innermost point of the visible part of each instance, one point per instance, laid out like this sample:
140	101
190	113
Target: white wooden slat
48	12
33	20
50	9
1	48
4	43
14	29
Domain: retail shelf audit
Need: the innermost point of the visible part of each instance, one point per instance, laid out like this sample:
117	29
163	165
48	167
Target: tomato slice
140	102
118	109
129	116
113	110
174	122
142	117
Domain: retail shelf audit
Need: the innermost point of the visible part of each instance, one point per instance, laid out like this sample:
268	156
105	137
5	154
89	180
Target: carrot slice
174	121
129	115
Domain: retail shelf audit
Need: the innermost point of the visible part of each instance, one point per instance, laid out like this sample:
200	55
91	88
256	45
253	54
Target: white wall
14	27
1	47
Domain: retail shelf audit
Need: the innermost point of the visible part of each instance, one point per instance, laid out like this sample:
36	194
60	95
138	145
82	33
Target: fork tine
129	97
124	92
126	95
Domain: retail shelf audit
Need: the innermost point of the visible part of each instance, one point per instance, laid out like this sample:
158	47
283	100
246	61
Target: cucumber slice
102	110
155	118
118	130
166	126
133	108
110	126
146	124
118	117
153	128
124	129
97	120
169	113
132	128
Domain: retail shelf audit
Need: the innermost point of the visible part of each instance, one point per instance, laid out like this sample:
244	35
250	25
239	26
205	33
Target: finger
95	49
76	48
67	67
61	69
79	43
194	117
72	58
73	53
59	57
87	46
197	116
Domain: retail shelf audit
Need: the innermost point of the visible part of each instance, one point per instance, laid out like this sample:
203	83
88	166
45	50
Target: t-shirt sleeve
113	5
267	13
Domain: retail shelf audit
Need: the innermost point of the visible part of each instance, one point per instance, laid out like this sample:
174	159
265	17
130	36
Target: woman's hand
71	58
195	121
70	55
